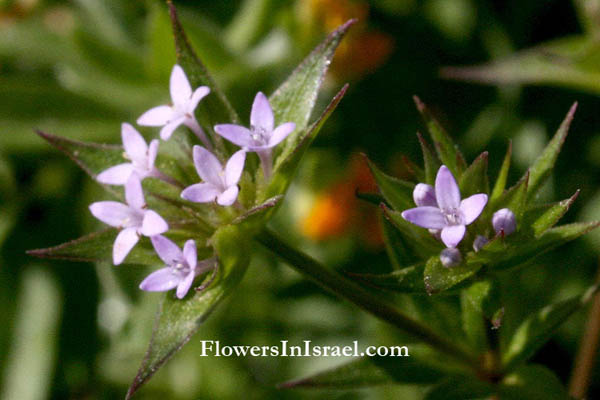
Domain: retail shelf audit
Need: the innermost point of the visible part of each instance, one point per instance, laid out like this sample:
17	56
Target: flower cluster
219	180
441	210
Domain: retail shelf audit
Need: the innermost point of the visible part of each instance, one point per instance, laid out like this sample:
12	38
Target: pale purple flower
451	215
424	195
450	257
220	183
262	135
181	111
504	221
132	218
479	242
181	267
141	155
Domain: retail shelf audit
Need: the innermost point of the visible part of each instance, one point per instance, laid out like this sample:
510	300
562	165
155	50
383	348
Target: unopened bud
479	242
424	195
504	221
450	257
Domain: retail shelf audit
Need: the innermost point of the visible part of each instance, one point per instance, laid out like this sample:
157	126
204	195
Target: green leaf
538	328
446	149
255	218
533	382
473	322
179	319
405	280
460	388
543	165
215	108
439	278
516	250
287	164
475	180
418	239
98	247
551	215
502	176
294	100
514	199
396	192
371	371
432	164
479	304
395	245
569	62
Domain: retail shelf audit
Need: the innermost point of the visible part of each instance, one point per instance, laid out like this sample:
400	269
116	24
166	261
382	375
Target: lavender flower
504	221
182	109
141	155
424	195
451	215
133	218
262	136
181	267
450	257
220	183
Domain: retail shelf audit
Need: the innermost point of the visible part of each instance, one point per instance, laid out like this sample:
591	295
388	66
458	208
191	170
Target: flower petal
472	206
426	217
185	284
228	197
161	280
452	235
153	224
234	168
200	193
134	144
236	134
280	133
261	115
168	129
124	242
208	166
166	249
157	116
447	193
424	195
198	95
117	175
179	86
112	213
152	153
190	254
134	193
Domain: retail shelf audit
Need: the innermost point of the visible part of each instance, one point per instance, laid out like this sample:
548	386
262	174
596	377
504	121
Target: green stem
344	288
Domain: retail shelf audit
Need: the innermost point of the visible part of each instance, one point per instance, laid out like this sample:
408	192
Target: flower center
453	216
259	136
179	266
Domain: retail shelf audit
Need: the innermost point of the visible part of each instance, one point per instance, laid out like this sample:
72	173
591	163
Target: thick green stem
342	287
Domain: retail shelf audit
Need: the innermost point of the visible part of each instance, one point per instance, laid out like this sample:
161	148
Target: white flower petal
472	206
166	249
261	115
198	95
134	144
153	224
228	197
209	168
134	193
190	254
117	175
234	168
447	193
168	129
200	193
157	116
124	242
452	235
112	213
179	86
185	284
280	133
161	280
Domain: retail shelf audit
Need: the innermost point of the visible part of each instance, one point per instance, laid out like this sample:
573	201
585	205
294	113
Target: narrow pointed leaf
179	319
447	150
294	100
257	217
473	323
98	247
514	198
395	245
552	215
525	250
432	164
396	192
215	108
373	198
371	371
416	173
287	163
533	382
479	304
542	166
438	278
405	280
500	184
474	179
419	239
538	328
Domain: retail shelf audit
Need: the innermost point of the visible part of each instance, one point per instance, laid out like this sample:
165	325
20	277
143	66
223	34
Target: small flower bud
424	195
479	242
450	257
504	221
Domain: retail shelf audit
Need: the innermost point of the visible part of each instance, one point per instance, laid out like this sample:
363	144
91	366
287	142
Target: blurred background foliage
79	68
